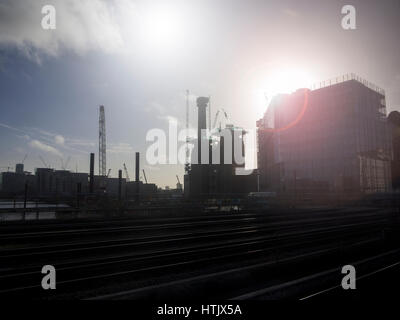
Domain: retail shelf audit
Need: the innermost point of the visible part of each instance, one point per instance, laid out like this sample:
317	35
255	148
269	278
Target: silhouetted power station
213	171
335	140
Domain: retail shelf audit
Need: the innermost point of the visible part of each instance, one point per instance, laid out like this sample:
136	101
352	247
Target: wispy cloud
36	144
120	148
59	139
82	25
80	142
6	126
50	139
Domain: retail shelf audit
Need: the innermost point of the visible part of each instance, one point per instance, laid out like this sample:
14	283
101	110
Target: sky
138	58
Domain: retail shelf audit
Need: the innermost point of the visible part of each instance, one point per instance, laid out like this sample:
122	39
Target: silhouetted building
217	162
50	182
13	183
394	125
334	138
19	168
110	186
45	181
146	190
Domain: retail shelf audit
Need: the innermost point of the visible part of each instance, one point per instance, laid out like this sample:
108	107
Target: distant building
51	182
110	186
146	190
45	181
334	138
12	183
19	168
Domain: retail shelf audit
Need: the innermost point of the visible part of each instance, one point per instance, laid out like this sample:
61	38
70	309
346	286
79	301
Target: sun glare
160	26
285	81
279	81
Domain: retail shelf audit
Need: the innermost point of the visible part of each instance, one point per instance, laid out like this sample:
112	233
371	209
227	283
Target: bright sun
277	81
285	81
160	26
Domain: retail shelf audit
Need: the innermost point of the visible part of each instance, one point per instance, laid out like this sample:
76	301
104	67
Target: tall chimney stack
201	123
119	184
91	177
137	168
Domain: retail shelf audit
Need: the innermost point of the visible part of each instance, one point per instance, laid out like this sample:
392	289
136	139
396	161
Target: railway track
158	251
368	266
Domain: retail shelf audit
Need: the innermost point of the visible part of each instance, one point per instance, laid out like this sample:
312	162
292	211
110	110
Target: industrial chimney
202	123
91	177
137	168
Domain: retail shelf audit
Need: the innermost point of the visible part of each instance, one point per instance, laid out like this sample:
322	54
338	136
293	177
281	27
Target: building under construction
394	125
331	139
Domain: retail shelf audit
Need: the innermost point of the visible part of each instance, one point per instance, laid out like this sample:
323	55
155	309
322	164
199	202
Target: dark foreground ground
292	254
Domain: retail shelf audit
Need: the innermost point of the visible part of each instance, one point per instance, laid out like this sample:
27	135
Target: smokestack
91	177
137	168
201	122
119	184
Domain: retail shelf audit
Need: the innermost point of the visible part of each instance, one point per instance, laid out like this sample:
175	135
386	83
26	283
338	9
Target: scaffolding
347	77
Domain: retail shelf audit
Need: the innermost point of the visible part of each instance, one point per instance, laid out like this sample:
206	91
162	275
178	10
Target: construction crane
144	175
44	162
178	185
102	142
126	173
216	118
24	159
64	165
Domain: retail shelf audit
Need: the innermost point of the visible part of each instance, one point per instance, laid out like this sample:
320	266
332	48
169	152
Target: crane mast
144	175
126	173
102	143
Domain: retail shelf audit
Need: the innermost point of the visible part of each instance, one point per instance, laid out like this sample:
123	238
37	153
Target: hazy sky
137	58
